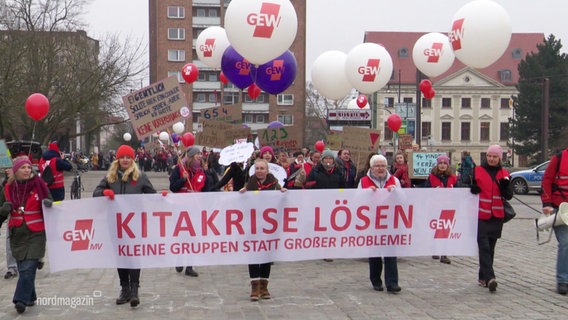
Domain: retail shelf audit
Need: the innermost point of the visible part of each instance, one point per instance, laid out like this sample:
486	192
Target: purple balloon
276	75
275	124
175	137
236	68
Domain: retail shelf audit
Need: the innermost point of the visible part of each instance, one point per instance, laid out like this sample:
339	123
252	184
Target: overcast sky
340	24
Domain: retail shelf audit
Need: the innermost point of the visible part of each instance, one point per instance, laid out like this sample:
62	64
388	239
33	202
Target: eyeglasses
379	166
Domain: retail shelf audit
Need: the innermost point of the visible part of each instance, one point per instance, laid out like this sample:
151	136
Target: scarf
20	190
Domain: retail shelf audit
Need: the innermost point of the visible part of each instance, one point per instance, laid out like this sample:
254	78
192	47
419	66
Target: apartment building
174	27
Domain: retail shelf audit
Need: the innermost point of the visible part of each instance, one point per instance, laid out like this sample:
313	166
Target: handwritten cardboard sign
155	107
420	164
227	113
405	141
287	138
219	134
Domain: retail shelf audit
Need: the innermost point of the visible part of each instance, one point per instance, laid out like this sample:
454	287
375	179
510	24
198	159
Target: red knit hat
53	146
125	151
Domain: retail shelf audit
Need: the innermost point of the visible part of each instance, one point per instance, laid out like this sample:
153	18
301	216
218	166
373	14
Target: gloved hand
164	193
475	189
47	202
109	193
504	183
7	207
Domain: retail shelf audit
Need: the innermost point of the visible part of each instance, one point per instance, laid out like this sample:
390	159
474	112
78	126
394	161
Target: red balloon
190	72
37	106
320	146
253	91
430	94
394	122
425	86
223	78
362	101
187	139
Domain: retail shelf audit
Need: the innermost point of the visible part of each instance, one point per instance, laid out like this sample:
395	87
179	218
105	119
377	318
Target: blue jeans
561	233
25	288
391	271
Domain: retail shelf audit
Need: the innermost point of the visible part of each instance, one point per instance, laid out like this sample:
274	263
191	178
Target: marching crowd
25	194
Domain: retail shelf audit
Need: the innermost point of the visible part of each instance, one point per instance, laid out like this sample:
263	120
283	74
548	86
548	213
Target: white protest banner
277	171
151	230
238	152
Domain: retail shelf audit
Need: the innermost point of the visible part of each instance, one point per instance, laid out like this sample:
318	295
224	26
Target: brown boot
264	294
255	290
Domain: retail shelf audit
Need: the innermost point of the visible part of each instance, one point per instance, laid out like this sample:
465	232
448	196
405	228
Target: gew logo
444	225
208	47
371	70
81	235
275	71
243	66
434	53
265	21
456	34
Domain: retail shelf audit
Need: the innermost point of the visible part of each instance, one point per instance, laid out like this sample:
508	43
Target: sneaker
445	259
482	283
492	285
9	275
179	269
394	289
20	307
562	288
378	288
190	272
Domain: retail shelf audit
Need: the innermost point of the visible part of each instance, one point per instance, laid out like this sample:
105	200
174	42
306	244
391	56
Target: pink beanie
496	149
19	162
266	149
443	158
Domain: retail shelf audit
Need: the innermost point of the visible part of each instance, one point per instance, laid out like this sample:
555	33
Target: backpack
466	172
47	174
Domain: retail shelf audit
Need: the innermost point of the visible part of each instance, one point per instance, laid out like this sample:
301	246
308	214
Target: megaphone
553	220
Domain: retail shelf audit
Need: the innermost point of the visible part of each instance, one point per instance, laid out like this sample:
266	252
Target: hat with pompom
496	150
53	146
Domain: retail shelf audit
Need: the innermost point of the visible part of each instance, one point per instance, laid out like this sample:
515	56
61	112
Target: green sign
5	157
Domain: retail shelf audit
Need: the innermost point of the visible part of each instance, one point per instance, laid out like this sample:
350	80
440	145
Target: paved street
314	289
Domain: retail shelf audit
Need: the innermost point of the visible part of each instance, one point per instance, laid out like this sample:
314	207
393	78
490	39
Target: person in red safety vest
57	163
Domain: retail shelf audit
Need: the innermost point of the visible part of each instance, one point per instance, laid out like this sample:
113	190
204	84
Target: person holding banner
21	200
124	177
379	177
189	176
259	273
491	182
441	177
11	263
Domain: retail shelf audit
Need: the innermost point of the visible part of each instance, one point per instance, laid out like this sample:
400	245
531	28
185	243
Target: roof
394	42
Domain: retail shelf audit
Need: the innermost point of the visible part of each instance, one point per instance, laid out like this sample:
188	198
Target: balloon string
33	138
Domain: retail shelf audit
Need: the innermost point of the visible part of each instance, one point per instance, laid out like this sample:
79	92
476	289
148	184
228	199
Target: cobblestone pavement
311	289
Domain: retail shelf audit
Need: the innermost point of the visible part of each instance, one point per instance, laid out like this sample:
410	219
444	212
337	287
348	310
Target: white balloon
480	34
261	30
328	75
178	127
164	136
368	67
210	45
432	54
127	136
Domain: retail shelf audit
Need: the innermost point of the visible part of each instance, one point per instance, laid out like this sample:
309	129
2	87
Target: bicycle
76	185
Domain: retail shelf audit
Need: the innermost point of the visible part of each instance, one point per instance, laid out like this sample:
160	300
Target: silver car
528	180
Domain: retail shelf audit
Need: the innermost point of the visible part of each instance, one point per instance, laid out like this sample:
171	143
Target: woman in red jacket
441	177
491	182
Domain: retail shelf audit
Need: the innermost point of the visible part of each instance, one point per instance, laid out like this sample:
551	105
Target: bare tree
317	108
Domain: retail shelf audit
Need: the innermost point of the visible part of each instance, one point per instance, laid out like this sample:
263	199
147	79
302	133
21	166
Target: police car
528	180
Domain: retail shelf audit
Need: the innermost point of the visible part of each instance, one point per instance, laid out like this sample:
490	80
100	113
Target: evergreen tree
526	127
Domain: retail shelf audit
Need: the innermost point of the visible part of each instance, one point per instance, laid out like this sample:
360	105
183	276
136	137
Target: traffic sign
349	115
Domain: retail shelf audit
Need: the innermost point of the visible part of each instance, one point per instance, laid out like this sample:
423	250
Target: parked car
528	180
32	149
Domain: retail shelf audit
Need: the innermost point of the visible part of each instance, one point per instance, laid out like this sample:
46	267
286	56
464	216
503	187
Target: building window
485	103
213	77
248	118
403	52
200	97
388	132
176	12
517	53
212	97
407	100
446	102
466	103
389	102
285	99
446	131
465	131
176	34
484	131
176	55
260	118
231	98
505	103
426	103
426	129
505	75
213	13
201	76
286	119
177	74
260	98
195	116
200	12
504	131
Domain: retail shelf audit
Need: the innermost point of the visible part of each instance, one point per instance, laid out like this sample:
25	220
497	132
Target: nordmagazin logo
81	236
265	21
444	225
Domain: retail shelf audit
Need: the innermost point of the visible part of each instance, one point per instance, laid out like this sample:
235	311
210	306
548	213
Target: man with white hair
378	177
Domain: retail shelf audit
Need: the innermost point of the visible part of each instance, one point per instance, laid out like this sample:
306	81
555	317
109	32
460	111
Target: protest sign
219	134
226	113
238	152
287	138
420	164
